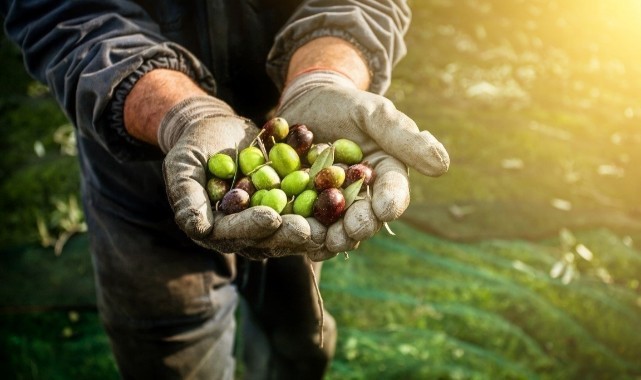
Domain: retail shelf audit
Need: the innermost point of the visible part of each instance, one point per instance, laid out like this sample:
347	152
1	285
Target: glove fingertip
193	223
321	254
338	240
265	218
293	234
391	196
360	221
432	158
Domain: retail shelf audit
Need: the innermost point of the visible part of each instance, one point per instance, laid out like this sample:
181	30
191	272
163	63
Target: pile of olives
284	169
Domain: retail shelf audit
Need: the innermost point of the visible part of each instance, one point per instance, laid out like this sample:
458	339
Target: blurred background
522	262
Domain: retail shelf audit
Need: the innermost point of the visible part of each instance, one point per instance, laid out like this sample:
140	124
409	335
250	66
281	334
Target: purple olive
329	206
236	200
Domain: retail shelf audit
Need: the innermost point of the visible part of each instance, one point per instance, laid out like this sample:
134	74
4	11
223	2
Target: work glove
332	107
190	133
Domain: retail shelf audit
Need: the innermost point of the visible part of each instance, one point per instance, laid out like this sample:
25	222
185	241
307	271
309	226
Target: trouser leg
168	306
280	322
182	348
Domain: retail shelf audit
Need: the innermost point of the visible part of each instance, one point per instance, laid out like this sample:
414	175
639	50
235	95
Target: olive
250	158
295	182
216	189
284	159
265	178
222	165
357	171
257	197
331	176
315	151
246	184
304	203
347	152
300	138
329	206
276	199
234	201
274	130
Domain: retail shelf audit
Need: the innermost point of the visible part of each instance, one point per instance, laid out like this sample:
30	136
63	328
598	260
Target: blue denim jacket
91	52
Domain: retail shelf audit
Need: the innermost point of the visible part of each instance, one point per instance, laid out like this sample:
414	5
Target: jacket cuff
120	143
379	39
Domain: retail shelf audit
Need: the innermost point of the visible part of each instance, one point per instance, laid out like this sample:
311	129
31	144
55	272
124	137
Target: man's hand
191	132
333	105
165	108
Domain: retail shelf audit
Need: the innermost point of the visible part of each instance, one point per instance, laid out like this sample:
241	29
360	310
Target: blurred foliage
37	167
537	103
487	310
55	346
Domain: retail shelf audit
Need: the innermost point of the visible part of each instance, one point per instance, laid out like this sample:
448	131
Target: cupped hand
333	108
190	133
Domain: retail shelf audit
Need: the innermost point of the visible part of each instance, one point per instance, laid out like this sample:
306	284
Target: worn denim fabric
167	304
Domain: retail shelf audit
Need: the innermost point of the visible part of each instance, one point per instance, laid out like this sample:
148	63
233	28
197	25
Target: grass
465	290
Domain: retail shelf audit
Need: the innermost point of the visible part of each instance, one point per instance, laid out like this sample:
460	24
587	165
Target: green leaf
351	192
325	159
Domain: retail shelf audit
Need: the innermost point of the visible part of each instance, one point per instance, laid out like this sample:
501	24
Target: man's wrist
153	95
330	54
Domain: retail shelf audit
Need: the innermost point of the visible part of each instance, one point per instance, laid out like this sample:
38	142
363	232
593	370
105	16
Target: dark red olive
329	206
357	171
273	131
246	184
300	138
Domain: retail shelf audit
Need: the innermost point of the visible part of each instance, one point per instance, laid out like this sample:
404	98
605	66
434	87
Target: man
155	88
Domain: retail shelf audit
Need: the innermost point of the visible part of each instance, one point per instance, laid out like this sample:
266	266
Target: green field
522	262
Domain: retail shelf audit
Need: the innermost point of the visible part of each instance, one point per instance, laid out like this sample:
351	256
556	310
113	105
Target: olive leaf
325	159
350	193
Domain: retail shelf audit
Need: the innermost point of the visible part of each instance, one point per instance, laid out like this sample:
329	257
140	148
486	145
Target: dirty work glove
332	107
189	134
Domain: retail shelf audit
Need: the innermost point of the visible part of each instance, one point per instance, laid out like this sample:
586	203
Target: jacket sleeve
375	27
90	54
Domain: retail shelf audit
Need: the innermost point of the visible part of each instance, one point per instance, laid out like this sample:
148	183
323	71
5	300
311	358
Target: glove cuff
187	113
308	80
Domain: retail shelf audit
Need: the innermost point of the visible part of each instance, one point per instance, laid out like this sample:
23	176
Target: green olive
222	165
250	158
265	178
295	182
304	203
276	199
347	152
257	197
284	159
